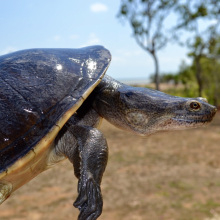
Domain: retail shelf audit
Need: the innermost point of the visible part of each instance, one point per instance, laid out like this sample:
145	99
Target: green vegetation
207	206
200	20
185	82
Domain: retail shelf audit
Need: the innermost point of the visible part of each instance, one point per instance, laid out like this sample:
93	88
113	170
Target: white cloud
214	21
98	7
93	40
74	36
8	49
56	38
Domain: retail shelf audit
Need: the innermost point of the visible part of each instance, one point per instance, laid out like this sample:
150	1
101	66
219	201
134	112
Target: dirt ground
167	176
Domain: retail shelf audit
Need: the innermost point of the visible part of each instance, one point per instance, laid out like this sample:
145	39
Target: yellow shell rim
46	141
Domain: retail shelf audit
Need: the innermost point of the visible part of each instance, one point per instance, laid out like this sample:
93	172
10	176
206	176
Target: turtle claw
89	201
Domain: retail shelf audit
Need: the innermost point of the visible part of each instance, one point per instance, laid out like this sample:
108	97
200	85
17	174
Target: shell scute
37	87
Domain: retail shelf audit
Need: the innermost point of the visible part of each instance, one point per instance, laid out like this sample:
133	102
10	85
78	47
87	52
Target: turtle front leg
89	166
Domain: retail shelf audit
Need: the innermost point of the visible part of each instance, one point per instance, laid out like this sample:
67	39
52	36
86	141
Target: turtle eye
195	105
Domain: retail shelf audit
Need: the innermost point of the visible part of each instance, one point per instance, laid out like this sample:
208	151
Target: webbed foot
89	200
89	162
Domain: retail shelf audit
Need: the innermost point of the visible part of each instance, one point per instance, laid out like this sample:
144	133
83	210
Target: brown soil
167	176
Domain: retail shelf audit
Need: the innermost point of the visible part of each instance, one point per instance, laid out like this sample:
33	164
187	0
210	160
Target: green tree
191	17
198	52
146	18
211	67
210	77
188	79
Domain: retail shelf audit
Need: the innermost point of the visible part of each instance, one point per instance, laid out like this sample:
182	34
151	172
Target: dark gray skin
139	110
40	92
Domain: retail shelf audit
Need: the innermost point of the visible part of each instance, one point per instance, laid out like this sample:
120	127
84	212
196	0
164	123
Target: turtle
52	102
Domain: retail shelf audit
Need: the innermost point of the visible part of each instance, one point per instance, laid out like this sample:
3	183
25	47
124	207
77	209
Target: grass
168	176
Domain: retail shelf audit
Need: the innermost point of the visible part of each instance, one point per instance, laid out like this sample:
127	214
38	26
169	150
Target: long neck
109	83
106	96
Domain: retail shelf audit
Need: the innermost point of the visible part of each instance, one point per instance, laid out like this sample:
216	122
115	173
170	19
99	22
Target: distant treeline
186	83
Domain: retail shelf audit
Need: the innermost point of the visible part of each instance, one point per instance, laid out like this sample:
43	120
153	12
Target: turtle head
145	111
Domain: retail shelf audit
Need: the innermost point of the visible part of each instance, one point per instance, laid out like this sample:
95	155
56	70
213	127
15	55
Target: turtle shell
40	89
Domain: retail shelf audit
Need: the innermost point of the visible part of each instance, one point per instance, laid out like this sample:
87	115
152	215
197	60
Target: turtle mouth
193	120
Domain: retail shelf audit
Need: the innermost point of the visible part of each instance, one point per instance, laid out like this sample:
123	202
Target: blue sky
73	24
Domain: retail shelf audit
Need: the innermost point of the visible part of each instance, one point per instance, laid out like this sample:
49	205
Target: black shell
37	87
